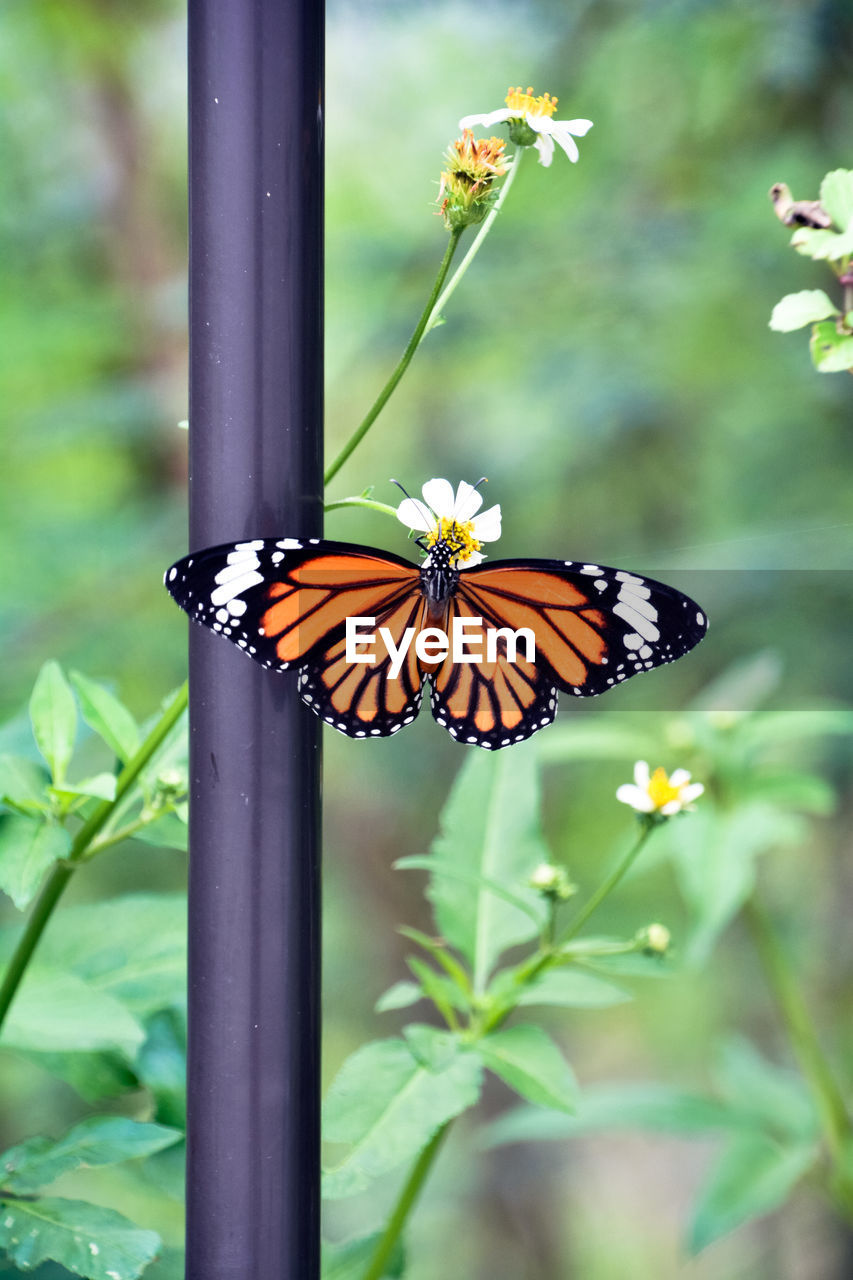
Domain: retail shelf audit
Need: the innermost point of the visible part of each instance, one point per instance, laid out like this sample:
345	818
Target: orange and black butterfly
285	602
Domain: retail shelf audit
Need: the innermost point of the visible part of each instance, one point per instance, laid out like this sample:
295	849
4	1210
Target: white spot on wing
290	544
229	589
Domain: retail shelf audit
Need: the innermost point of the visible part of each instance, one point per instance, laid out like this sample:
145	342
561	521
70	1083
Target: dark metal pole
255	90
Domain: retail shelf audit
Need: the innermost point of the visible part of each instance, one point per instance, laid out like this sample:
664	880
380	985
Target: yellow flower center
527	104
660	789
459	538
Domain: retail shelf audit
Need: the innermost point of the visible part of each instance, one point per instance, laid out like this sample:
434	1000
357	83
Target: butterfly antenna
404	492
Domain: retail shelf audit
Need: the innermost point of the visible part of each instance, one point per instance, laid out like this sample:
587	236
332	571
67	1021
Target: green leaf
823	246
53	713
442	991
529	1061
573	990
28	848
773	727
653	1107
796	310
431	1047
87	1239
110	719
489	829
386	1106
132	948
790	789
102	786
400	996
715	855
777	1098
93	1075
23	783
168	831
348	1260
836	196
832	351
100	1140
753	1177
56	1010
162	1064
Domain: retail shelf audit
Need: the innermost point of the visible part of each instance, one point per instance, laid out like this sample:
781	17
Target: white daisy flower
452	518
531	123
657	794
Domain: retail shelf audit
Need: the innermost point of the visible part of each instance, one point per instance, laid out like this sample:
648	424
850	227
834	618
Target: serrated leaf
530	1062
56	1010
99	1140
28	848
442	991
753	1177
169	831
796	310
836	196
104	713
832	352
348	1260
400	996
572	989
490	829
431	1047
91	1241
23	782
387	1106
53	713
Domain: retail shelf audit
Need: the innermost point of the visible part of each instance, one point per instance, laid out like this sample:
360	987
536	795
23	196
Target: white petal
476	557
487	525
490	118
415	515
567	142
679	778
670	808
635	797
642	775
691	793
580	128
439	495
545	146
468	501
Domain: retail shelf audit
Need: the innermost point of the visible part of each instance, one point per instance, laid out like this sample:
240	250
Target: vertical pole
255	94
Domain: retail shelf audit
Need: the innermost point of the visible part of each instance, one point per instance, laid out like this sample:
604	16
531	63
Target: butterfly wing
594	627
285	602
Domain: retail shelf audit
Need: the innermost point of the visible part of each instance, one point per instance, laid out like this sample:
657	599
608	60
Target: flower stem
834	1117
476	245
404	362
361	502
80	848
608	885
408	1196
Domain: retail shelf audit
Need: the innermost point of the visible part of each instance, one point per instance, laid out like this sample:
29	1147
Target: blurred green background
607	363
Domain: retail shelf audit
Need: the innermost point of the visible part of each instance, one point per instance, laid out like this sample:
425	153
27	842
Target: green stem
408	1196
831	1107
404	362
60	875
361	502
476	245
609	884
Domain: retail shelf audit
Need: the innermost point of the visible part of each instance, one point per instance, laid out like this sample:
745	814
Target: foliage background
607	364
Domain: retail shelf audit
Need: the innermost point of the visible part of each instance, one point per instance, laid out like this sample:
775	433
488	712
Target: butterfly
306	605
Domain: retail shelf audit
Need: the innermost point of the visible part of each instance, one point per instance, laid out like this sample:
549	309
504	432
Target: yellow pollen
661	791
459	538
527	104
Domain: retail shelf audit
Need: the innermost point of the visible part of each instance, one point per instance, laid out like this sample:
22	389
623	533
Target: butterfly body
286	602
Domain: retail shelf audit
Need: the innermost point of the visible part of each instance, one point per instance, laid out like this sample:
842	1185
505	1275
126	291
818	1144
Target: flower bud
552	882
466	193
655	939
